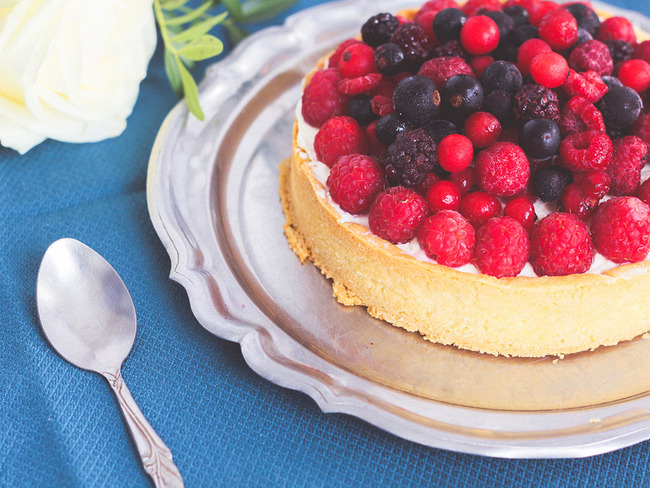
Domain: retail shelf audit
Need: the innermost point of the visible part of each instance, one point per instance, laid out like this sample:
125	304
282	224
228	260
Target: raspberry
382	105
321	100
527	52
354	182
378	29
375	146
617	28
574	201
396	213
635	73
357	60
625	168
338	137
643	193
588	85
502	247
455	152
450	49
549	69
578	115
478	207
482	128
585	151
535	102
502	169
592	55
559	28
522	210
360	84
595	184
448	238
441	69
479	35
560	245
621	229
641	128
410	157
414	41
443	195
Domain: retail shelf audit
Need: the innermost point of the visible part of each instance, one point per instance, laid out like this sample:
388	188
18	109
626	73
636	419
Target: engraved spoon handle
156	456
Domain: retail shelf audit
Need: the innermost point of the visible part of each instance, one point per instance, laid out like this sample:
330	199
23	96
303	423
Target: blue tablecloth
226	426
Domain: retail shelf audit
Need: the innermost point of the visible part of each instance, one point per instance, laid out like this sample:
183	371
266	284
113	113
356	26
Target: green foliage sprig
185	27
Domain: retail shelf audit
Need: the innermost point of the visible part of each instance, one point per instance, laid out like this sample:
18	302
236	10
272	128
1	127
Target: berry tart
477	173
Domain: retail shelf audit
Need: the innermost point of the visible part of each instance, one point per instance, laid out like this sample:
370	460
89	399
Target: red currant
522	210
465	180
443	195
455	152
482	128
527	52
478	207
479	35
635	73
357	60
549	69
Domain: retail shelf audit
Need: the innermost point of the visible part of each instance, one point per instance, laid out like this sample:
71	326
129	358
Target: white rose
70	69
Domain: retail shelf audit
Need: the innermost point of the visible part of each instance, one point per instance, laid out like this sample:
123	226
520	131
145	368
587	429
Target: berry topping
620	107
592	56
578	115
617	28
585	151
410	157
479	35
461	96
522	210
443	195
502	247
448	238
378	29
560	245
482	128
337	137
478	207
442	68
549	69
625	168
540	138
396	213
535	102
548	183
414	41
559	28
455	153
321	99
417	100
354	182
501	75
502	169
621	229
447	24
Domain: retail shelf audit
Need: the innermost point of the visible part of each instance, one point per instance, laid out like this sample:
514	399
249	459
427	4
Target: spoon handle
156	456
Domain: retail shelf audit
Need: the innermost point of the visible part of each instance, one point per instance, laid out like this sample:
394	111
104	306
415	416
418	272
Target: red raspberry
396	213
443	68
360	84
357	60
443	195
574	201
538	10
643	193
642	51
592	55
560	245
621	229
448	238
338	137
479	63
595	184
584	151
354	182
528	51
635	73
382	105
482	128
321	100
617	28
375	146
475	7
588	85
641	128
502	247
333	60
479	35
559	28
465	180
455	153
549	69
478	207
502	169
578	115
522	210
625	168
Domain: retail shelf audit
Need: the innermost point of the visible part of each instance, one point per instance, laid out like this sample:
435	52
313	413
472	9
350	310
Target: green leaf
172	4
202	48
173	73
191	93
258	10
235	33
235	9
198	29
190	16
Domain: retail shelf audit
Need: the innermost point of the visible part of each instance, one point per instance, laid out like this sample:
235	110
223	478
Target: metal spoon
88	316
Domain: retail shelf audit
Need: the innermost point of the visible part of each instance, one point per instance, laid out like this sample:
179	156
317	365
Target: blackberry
389	58
410	157
417	100
501	75
447	24
450	49
549	183
586	17
388	127
619	50
620	107
499	104
462	95
359	108
540	138
415	43
378	29
535	102
518	14
438	129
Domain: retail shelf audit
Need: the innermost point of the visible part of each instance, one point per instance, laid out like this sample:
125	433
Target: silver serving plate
213	199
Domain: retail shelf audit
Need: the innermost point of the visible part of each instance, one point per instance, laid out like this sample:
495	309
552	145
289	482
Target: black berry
378	29
389	58
462	95
438	129
447	24
620	107
415	43
359	108
540	138
501	75
388	127
410	157
417	100
535	102
499	104
549	183
619	50
518	14
586	17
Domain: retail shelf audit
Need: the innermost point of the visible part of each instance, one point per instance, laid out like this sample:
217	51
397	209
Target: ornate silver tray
212	192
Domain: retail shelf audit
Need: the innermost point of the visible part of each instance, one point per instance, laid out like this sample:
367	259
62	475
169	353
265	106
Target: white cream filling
305	139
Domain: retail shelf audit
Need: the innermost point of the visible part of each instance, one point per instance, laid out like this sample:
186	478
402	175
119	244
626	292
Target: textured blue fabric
60	426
